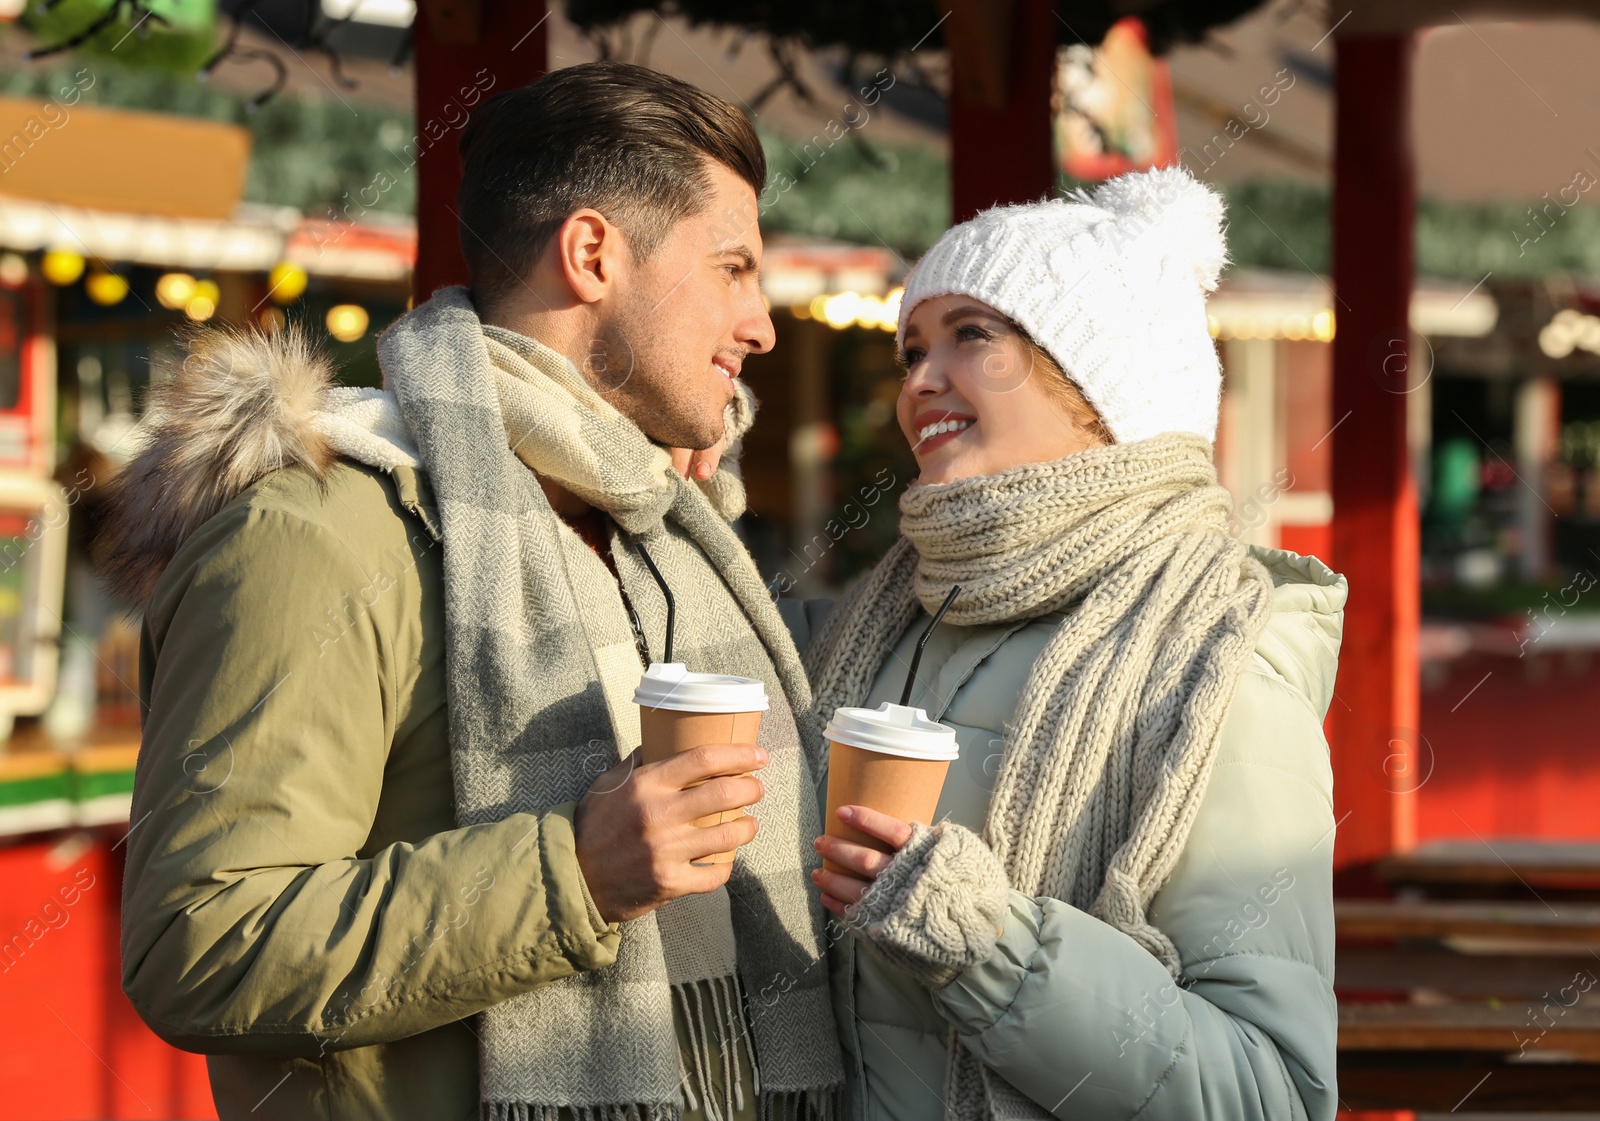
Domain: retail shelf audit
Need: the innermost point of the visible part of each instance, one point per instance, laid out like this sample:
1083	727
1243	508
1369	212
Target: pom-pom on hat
1113	285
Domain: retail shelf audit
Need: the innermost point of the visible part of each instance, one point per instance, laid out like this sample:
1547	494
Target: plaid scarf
541	663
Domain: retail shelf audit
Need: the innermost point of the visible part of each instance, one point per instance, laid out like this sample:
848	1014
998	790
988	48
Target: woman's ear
590	251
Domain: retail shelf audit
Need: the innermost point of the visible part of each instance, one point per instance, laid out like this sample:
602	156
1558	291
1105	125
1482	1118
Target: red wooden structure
465	50
1375	535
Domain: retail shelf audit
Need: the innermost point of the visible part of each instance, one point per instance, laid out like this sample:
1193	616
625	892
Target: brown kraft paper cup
908	789
667	732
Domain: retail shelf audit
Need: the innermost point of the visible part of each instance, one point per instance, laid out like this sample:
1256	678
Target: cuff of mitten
938	907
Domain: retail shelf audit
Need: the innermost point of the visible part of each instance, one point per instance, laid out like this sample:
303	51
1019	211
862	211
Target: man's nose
755	329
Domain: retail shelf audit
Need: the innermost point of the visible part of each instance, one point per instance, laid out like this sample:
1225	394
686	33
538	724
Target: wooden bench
1507	868
1477	1005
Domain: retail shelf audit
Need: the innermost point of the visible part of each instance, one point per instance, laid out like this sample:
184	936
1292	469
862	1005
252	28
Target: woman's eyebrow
951	316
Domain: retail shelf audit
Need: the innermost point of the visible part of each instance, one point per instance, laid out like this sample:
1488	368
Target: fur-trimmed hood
238	405
241	404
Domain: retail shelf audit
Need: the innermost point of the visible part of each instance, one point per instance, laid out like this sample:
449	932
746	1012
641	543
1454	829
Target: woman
1125	909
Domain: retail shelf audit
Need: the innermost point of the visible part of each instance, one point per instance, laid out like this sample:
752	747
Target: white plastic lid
670	685
893	730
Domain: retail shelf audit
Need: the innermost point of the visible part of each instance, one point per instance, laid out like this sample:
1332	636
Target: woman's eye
967	334
909	358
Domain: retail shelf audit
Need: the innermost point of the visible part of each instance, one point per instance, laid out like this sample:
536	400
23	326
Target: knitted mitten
939	906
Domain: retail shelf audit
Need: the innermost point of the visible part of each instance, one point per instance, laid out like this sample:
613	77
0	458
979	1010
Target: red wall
1514	756
71	1046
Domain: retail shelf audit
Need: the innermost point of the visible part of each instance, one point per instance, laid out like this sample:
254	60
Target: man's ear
590	252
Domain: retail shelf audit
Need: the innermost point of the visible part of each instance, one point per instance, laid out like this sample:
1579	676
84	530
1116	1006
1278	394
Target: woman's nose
924	380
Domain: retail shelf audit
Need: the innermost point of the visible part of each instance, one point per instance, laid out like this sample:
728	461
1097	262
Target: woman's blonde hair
1067	394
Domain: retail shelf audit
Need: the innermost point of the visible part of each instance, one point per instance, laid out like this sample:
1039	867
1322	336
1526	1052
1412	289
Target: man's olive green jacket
299	903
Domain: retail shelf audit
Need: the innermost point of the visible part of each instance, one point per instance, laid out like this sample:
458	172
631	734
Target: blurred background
168	164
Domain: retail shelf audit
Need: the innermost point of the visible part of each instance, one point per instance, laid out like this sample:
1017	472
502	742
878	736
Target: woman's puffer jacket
1071	1011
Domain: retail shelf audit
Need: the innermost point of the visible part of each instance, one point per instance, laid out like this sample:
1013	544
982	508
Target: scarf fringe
825	1103
713	1010
633	1111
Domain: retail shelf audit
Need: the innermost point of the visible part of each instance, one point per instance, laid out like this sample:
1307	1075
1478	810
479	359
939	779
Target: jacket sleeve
250	922
1081	1019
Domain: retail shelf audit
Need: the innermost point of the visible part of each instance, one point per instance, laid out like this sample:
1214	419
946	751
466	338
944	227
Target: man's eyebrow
747	258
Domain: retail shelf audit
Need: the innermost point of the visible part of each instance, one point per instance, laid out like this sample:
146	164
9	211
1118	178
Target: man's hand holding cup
639	838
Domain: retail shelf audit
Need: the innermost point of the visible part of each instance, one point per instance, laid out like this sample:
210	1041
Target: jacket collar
1301	642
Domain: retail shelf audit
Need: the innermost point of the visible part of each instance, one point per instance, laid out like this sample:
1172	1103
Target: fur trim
239	405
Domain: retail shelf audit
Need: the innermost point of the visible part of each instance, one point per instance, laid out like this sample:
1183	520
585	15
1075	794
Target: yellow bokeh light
200	309
840	310
891	308
1322	325
347	322
287	282
106	288
62	266
174	290
853	309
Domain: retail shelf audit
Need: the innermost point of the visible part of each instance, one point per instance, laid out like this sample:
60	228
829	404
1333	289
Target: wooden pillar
1003	60
465	52
1536	438
812	444
1378	757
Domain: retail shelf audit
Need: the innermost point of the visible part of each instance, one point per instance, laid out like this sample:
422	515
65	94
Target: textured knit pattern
1113	285
1115	733
939	906
540	668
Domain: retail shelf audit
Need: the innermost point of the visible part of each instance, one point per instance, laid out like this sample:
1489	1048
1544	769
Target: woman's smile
937	427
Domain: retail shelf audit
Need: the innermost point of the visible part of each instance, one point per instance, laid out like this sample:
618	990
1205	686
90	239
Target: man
389	652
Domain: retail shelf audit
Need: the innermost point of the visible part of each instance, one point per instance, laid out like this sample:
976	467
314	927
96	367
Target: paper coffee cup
891	758
680	711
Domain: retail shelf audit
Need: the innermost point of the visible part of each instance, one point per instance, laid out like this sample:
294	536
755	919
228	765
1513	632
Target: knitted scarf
541	663
1115	732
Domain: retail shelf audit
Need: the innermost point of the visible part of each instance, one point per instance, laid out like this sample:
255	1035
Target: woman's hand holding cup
862	864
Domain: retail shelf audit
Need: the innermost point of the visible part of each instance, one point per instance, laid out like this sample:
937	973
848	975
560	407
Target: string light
174	290
202	304
106	288
287	282
1319	327
347	322
1570	330
62	266
13	270
854	309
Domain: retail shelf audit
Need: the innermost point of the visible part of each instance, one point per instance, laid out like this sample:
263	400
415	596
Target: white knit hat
1112	285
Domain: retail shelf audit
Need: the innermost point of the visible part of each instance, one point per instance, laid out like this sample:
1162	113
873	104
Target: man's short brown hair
625	140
